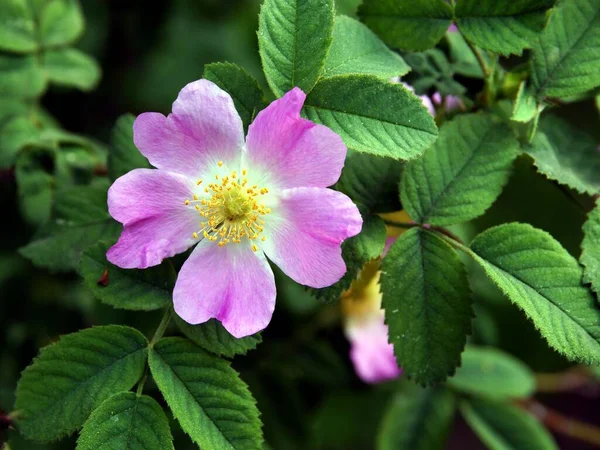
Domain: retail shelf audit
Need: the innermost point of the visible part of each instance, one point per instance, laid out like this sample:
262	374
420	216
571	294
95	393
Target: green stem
453	241
162	326
488	73
160	330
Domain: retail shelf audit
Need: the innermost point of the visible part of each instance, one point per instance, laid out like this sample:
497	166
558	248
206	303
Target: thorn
103	280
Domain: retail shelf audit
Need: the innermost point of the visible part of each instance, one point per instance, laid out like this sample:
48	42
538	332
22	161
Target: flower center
230	210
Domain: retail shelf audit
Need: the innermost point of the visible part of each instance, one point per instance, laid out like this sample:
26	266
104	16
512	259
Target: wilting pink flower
370	352
238	201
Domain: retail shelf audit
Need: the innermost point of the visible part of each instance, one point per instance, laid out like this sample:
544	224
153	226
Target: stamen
232	212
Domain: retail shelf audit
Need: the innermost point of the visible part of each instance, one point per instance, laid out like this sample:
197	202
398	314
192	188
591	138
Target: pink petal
232	284
158	225
305	231
203	128
371	354
294	152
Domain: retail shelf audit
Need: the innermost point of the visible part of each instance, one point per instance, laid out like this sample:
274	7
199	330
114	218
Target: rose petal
203	128
371	354
305	231
158	225
232	284
291	151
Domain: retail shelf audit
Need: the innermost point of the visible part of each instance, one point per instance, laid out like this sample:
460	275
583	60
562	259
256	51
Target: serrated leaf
17	27
492	373
137	290
502	426
590	246
372	116
212	404
371	181
58	247
502	26
567	154
244	90
84	204
427	302
70	378
213	337
127	421
72	68
61	22
409	25
460	176
82	221
357	50
566	55
124	155
357	251
526	107
432	71
417	419
21	76
293	40
538	275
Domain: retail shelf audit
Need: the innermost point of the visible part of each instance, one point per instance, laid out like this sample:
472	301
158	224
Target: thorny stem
443	233
160	330
562	424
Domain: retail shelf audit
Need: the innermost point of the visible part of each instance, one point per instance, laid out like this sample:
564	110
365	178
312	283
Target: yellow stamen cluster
230	210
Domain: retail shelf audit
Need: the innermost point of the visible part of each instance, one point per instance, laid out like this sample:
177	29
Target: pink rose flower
239	201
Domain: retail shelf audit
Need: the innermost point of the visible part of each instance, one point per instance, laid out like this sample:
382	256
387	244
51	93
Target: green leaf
212	404
567	154
35	185
417	419
213	337
492	373
245	91
371	181
58	247
124	155
71	67
590	255
61	22
293	40
138	290
83	221
357	50
357	251
526	107
70	378
415	25
502	26
540	277
21	76
16	134
425	288
127	421
432	71
84	204
502	426
17	27
372	116
566	56
462	174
